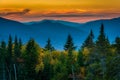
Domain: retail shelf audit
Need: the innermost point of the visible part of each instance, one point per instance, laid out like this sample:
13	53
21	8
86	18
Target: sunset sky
69	10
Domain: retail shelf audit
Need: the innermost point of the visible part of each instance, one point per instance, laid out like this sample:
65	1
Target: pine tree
48	46
17	52
47	68
2	61
9	58
3	50
80	63
113	68
19	48
102	42
69	45
31	59
89	41
117	45
9	49
20	44
17	57
103	50
80	59
16	47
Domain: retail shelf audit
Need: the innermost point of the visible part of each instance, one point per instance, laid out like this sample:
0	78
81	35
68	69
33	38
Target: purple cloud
25	11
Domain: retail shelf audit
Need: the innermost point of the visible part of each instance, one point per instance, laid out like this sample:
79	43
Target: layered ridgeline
57	30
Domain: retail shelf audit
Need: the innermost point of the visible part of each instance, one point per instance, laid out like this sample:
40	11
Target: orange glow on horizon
70	10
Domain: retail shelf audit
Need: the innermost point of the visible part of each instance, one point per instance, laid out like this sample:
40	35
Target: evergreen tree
9	49
102	42
47	68
117	45
48	46
69	45
3	74
80	63
16	47
103	50
31	59
17	53
3	50
20	45
89	41
113	68
9	58
80	59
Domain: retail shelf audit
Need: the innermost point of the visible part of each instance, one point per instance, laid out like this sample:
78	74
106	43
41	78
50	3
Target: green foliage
9	49
9	58
102	43
93	61
113	68
117	44
17	47
80	60
48	46
89	41
59	70
69	45
3	51
31	59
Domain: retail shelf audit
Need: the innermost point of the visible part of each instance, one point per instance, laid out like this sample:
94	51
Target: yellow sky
41	8
82	3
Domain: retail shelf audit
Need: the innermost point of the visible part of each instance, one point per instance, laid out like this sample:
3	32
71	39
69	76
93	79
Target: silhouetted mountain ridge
57	30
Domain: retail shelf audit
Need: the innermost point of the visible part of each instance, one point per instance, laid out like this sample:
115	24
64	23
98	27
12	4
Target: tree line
95	60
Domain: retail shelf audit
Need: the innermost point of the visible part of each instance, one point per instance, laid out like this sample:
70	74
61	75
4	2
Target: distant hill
72	24
112	27
57	30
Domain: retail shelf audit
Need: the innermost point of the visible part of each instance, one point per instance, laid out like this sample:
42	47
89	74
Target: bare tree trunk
4	76
15	71
9	73
73	73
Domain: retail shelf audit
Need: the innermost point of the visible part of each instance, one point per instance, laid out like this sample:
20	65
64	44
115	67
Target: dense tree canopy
69	45
96	60
89	41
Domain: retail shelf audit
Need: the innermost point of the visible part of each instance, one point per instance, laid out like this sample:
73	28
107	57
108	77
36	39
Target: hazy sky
70	10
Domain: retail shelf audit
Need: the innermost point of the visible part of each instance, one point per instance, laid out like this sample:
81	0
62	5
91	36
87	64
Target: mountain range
57	30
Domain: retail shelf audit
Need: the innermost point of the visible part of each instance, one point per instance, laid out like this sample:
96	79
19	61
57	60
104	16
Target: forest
95	60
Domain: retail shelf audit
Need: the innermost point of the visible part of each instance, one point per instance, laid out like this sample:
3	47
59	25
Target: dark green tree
60	71
9	48
89	41
102	43
3	50
17	57
80	64
20	46
96	60
3	72
48	46
117	45
80	60
16	47
69	45
47	69
31	59
113	68
9	58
